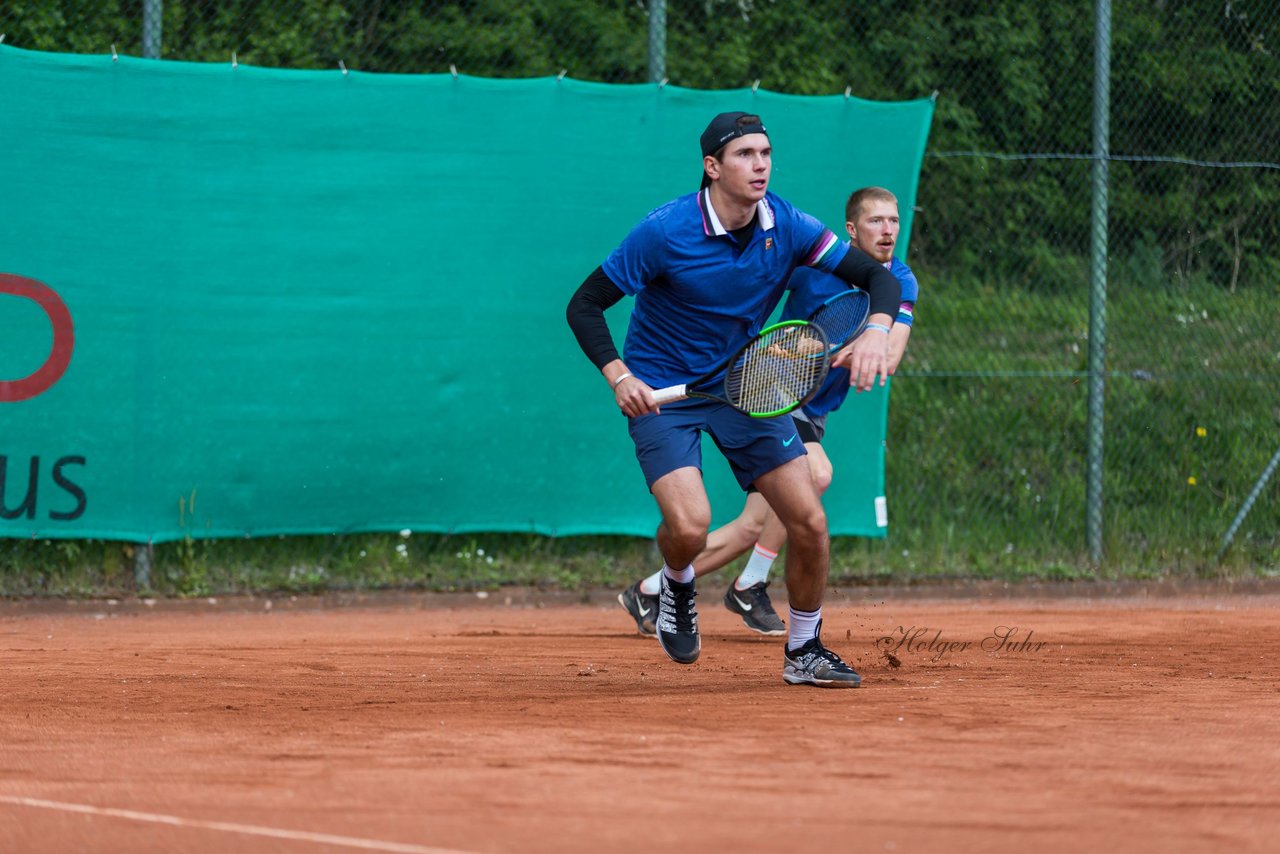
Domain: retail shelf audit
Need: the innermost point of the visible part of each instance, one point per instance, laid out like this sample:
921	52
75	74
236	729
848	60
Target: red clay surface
1141	724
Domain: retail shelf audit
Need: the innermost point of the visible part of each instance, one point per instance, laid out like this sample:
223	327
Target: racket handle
670	394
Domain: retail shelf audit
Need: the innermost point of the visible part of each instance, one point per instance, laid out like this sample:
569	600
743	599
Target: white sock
757	568
802	627
684	576
652	585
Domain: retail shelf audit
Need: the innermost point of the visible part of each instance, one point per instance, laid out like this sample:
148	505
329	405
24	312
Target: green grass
319	563
987	432
986	466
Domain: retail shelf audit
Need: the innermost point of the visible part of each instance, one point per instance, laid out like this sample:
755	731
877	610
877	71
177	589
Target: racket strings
779	370
842	318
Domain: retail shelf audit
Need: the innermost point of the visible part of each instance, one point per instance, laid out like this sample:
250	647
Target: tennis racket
843	317
773	373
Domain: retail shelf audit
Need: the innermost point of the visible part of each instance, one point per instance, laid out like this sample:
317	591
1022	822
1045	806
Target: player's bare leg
773	533
686	515
791	492
682	490
731	541
758	530
747	595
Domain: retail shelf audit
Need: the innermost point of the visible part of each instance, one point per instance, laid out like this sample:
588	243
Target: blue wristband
879	326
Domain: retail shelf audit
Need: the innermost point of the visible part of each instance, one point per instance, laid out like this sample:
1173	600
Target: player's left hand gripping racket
843	317
773	373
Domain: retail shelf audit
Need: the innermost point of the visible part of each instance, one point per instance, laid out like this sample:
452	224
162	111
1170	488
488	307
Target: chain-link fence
990	427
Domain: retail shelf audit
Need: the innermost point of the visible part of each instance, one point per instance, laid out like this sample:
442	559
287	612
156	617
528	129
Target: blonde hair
858	198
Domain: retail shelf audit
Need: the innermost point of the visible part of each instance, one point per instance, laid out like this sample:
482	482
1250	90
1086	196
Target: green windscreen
240	302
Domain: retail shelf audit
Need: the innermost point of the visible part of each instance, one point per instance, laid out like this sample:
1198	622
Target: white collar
711	223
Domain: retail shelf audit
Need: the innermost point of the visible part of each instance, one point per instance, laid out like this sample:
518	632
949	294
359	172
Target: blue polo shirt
699	296
809	289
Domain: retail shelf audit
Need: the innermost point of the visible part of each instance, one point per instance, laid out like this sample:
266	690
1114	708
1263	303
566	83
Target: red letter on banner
64	338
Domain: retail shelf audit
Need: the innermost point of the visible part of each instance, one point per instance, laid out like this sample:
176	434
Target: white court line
228	827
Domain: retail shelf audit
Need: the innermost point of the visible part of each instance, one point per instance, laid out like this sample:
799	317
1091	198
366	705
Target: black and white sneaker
642	607
755	609
678	622
814	664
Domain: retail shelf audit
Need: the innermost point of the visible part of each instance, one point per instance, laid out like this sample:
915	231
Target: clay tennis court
528	722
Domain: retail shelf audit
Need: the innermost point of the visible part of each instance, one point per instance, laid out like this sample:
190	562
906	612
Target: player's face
743	172
876	231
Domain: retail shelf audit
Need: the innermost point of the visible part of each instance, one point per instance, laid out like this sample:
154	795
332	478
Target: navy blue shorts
673	439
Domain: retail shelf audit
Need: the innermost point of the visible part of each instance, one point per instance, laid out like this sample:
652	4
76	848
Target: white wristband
879	326
616	382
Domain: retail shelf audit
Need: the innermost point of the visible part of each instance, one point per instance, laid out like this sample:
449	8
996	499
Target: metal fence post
657	40
1248	505
151	28
143	558
1098	274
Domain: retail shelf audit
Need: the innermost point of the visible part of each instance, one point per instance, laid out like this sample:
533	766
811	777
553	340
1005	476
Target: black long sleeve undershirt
585	314
861	270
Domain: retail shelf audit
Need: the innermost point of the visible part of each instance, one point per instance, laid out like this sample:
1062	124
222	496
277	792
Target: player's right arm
585	315
901	332
898	337
867	357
